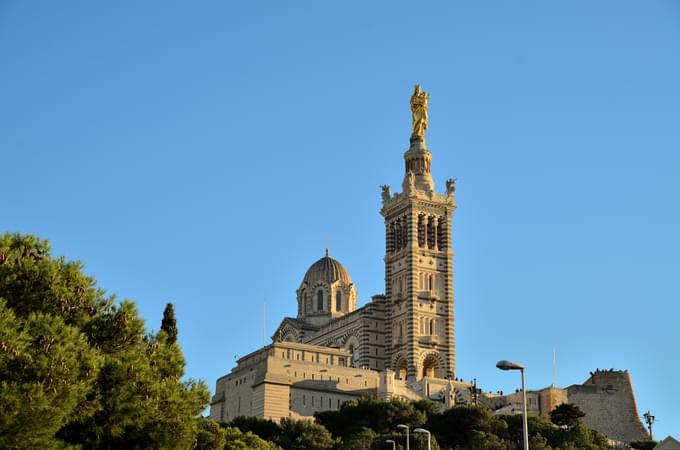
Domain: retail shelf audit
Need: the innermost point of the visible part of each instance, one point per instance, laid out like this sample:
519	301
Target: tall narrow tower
419	263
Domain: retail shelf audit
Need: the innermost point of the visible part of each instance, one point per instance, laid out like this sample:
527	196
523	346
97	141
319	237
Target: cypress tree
169	325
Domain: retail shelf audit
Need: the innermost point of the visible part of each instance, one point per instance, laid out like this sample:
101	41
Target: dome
327	269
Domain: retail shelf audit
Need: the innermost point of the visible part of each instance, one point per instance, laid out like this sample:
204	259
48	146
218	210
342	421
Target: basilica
401	344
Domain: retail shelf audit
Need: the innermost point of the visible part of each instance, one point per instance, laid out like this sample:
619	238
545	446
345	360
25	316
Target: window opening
319	300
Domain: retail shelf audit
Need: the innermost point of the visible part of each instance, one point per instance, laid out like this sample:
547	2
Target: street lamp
394	444
401	426
649	418
507	365
423	430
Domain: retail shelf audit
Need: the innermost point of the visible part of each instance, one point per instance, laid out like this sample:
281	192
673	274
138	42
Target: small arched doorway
401	369
432	366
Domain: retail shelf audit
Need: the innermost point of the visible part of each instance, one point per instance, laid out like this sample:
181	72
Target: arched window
319	300
391	241
338	301
399	235
441	234
431	231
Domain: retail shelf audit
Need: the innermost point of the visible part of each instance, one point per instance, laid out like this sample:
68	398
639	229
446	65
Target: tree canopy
643	444
169	324
289	434
237	440
366	423
566	414
372	413
78	368
210	436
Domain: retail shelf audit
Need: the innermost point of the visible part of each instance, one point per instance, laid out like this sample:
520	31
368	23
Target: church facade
409	329
400	344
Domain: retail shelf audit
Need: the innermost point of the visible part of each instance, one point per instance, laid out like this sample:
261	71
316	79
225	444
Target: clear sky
200	153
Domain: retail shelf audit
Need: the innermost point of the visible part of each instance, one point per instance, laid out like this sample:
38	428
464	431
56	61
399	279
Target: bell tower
419	263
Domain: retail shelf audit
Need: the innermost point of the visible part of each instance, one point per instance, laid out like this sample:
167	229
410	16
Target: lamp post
423	430
401	426
507	365
649	418
394	444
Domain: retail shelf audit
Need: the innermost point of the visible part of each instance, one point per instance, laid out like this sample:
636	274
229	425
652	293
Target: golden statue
419	111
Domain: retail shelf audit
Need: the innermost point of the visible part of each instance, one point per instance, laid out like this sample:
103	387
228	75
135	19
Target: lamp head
509	365
390	441
401	426
420	430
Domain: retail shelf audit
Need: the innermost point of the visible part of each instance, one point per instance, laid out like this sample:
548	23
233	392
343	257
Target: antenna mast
264	323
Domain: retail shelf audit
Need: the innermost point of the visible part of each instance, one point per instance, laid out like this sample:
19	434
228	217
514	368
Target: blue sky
200	153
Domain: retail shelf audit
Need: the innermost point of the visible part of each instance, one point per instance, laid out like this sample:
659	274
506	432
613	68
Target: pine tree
77	368
566	415
46	370
169	325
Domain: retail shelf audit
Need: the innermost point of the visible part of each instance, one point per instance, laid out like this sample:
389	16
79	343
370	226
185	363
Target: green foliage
545	434
460	428
427	407
363	440
265	428
643	445
538	442
304	435
419	442
237	440
290	434
169	325
78	369
46	370
31	281
538	426
210	435
566	414
466	427
370	412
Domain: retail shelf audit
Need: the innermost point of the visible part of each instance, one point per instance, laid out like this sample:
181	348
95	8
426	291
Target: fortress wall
550	398
608	400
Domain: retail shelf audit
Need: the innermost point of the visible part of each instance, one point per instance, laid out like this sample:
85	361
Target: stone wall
364	327
608	400
288	379
296	380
